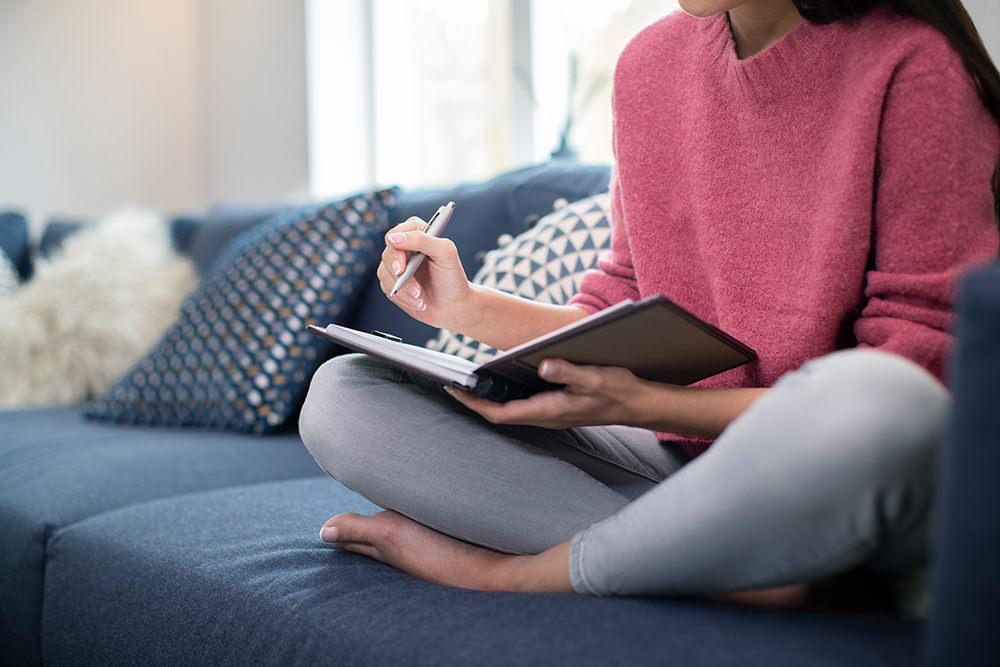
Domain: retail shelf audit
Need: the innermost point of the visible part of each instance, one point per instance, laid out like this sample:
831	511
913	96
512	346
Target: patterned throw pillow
545	263
239	356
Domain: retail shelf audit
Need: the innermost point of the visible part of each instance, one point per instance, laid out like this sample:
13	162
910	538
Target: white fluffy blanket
91	311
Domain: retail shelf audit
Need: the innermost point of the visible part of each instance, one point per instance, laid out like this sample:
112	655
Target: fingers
409	237
469	400
410	297
394	262
512	412
401	241
395	259
409	225
585	389
436	248
554	371
580	379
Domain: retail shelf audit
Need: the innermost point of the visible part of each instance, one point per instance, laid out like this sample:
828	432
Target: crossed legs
830	470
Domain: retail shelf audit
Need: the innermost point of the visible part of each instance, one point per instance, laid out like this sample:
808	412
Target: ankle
547	572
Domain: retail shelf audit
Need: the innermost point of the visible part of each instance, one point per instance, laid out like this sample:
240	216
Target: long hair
951	19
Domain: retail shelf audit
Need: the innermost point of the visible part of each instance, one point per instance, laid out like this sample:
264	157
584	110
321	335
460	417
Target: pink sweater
823	194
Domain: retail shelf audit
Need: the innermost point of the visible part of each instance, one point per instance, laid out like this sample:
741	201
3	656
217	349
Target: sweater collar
781	68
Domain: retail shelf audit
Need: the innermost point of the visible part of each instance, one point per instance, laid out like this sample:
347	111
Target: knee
882	392
329	386
884	417
335	407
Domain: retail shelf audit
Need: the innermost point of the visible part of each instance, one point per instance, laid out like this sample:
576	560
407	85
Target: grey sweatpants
830	470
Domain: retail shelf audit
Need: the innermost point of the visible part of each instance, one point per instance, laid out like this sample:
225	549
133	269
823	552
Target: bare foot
414	548
423	552
782	597
398	541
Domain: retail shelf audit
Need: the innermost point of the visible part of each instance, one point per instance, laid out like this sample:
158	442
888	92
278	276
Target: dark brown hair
951	19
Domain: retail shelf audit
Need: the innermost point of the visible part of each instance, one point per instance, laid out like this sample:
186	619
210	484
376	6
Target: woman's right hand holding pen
439	294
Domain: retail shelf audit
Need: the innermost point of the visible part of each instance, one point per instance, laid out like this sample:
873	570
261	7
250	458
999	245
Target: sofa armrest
966	583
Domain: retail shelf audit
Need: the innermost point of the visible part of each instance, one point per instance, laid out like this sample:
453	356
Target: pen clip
437	214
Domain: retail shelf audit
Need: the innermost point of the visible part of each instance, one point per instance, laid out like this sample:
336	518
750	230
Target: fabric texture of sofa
132	545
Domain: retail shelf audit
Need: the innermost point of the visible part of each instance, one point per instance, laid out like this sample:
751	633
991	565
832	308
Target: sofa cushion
966	584
91	311
508	204
56	231
221	225
56	468
183	230
239	356
9	279
14	241
239	576
545	263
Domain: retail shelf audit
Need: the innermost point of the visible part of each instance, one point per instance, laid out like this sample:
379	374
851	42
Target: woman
808	177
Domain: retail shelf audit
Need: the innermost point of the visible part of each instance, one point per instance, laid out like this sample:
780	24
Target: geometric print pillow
239	356
545	263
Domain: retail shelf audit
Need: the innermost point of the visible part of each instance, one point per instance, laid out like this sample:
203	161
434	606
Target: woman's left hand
593	395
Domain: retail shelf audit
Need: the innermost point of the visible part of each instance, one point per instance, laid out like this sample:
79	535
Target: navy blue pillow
14	242
185	232
56	231
9	280
223	224
239	356
507	204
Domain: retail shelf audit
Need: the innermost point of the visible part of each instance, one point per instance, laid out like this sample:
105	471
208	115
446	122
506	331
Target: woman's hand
439	293
602	395
593	395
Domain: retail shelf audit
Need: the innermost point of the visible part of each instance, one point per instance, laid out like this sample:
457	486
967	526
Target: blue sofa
127	545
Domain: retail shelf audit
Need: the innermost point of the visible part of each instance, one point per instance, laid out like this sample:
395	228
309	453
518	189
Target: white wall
253	129
98	104
173	104
986	15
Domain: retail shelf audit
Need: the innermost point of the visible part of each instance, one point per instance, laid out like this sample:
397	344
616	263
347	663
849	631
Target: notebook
654	338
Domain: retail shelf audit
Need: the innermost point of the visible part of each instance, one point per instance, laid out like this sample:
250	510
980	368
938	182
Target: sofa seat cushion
57	468
239	576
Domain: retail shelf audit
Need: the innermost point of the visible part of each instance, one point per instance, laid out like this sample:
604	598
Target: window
575	45
444	91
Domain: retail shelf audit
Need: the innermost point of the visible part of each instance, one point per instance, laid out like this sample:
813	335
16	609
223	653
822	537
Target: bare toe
412	547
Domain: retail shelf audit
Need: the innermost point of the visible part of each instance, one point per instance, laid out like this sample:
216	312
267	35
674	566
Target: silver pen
435	226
